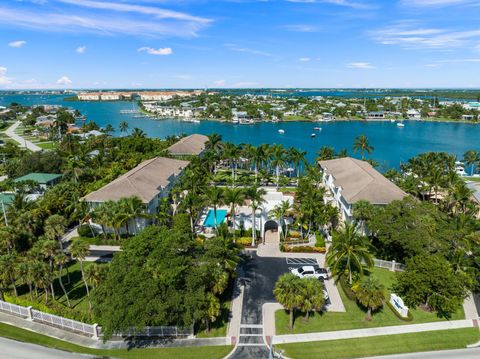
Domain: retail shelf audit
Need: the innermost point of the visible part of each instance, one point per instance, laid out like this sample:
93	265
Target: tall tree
349	253
256	196
235	197
471	158
288	293
123	127
79	251
362	145
371	294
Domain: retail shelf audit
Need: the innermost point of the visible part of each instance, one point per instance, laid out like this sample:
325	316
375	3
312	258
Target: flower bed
302	249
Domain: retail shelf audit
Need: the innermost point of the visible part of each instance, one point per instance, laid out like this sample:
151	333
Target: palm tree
75	167
258	158
435	181
232	153
361	145
371	294
109	129
234	197
123	127
55	227
348	253
279	212
325	153
288	293
48	249
131	208
278	160
79	251
138	133
60	260
212	309
313	298
297	158
191	203
215	197
214	143
255	195
8	265
94	274
471	158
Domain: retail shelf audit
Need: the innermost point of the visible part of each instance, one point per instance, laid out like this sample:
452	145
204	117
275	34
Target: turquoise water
393	145
209	220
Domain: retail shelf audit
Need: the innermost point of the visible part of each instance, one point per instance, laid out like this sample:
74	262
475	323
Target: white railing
64	323
390	265
92	330
17	310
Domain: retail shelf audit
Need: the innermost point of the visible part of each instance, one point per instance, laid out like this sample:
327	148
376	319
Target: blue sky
239	43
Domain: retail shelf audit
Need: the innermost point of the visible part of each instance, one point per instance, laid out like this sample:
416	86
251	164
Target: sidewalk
233	330
470	308
10	132
371	332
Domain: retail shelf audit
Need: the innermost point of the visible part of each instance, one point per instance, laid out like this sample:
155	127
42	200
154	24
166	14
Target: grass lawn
15	333
383	345
47	145
354	317
472	179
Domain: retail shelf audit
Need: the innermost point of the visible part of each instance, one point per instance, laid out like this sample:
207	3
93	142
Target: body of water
392	145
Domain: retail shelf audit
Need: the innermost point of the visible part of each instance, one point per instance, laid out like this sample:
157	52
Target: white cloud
64	81
220	83
162	51
17	44
345	3
81	49
432	65
108	19
439	3
237	48
409	35
304	59
301	28
4	80
360	65
183	77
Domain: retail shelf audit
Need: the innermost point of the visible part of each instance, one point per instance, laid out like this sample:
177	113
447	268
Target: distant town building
413	114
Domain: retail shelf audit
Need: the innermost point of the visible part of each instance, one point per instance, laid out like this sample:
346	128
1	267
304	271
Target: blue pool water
392	145
209	221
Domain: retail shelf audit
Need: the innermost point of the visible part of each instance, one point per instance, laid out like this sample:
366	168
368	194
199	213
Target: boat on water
392	120
317	128
312	135
400	124
281	132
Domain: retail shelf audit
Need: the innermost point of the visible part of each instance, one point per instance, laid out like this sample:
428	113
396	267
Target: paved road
12	349
260	276
472	353
10	132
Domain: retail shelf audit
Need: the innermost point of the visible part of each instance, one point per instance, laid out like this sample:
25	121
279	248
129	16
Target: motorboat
400	124
312	135
281	131
317	128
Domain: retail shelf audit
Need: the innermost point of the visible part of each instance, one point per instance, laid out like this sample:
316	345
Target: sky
69	44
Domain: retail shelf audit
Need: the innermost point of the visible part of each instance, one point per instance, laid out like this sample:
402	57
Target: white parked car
310	272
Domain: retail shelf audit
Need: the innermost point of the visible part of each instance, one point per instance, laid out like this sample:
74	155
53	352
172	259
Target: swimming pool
209	220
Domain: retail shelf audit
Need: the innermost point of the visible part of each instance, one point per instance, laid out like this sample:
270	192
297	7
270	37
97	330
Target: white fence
51	319
92	330
390	265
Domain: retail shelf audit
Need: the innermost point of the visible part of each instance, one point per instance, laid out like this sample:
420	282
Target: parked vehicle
310	272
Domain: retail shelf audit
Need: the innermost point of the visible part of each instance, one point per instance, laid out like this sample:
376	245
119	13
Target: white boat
400	124
312	135
392	120
281	131
317	128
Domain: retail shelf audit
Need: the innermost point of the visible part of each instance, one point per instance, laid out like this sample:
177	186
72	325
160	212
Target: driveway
18	350
10	132
259	275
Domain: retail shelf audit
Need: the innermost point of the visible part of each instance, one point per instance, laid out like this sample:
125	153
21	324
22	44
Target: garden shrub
294	234
84	230
303	249
320	240
347	289
244	241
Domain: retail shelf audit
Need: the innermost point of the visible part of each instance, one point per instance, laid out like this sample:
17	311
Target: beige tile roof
190	145
144	181
360	181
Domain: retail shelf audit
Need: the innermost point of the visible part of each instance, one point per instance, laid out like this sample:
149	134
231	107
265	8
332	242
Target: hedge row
302	249
409	317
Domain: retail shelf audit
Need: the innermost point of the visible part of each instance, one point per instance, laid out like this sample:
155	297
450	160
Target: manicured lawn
472	179
15	333
382	345
354	317
47	145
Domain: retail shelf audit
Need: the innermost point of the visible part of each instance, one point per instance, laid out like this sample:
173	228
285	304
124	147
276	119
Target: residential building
44	180
413	114
150	181
88	96
350	180
192	145
373	115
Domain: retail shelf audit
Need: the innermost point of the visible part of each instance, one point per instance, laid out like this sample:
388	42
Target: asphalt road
12	349
260	276
471	353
